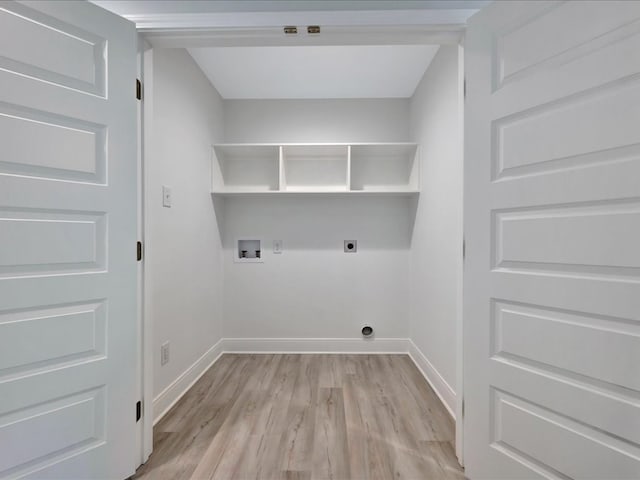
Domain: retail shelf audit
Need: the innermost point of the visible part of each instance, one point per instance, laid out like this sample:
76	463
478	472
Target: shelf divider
282	186
349	167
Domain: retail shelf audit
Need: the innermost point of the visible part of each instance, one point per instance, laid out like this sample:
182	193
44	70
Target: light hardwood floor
291	417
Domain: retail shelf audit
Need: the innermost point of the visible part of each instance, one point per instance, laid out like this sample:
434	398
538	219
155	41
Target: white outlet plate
166	196
164	353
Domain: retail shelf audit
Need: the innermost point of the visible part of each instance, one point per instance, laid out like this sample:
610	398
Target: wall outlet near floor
164	353
166	196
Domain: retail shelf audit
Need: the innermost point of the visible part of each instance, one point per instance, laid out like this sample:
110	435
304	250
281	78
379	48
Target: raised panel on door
67	240
552	227
38	338
78	421
74	57
68	149
570	449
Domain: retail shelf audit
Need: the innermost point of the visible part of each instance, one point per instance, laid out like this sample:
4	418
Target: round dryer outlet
350	246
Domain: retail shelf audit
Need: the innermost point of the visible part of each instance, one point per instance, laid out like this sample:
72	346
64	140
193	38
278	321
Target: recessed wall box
248	251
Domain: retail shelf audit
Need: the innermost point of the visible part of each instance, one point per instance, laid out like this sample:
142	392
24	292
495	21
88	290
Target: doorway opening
303	145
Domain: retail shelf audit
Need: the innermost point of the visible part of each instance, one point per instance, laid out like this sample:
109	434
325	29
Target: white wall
404	278
369	120
435	275
183	245
314	289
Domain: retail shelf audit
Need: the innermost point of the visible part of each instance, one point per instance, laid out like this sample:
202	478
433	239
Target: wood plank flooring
306	417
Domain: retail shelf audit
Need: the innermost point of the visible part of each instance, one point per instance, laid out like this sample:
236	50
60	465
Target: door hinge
464	88
138	410
139	251
138	89
464	249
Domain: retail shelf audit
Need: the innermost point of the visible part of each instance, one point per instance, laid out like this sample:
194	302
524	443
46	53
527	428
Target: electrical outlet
164	353
166	196
350	246
277	246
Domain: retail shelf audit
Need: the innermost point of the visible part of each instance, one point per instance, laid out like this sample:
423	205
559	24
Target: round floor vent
367	331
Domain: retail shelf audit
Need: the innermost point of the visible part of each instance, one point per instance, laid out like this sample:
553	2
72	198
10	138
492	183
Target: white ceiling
355	71
241	48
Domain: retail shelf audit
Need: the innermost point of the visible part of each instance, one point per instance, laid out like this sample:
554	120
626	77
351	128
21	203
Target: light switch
277	246
166	196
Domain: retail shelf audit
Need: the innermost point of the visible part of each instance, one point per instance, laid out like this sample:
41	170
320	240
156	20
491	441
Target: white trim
143	373
460	270
316	345
351	18
146	77
444	391
174	392
181	385
367	35
319	144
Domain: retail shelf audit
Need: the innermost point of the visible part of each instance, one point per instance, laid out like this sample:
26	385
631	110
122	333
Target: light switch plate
166	196
277	246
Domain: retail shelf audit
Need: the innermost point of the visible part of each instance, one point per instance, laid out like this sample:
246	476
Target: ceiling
368	48
355	71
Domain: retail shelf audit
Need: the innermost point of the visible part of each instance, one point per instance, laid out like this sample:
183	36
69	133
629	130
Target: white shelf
323	193
245	168
306	169
384	167
315	168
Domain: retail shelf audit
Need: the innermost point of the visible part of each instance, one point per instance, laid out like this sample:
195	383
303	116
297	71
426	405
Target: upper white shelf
304	168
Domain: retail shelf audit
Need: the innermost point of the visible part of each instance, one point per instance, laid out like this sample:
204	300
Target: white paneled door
552	226
67	241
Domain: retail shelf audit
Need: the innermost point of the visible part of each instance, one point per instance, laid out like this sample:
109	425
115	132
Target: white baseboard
174	392
444	391
170	395
316	345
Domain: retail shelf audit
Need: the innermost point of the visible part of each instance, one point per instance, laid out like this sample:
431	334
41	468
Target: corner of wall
436	248
183	254
443	390
163	402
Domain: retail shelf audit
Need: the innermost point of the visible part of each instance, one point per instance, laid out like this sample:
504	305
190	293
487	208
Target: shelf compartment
384	168
245	168
315	168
